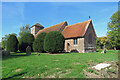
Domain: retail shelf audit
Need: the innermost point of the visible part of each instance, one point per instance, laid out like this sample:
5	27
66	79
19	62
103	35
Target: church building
79	37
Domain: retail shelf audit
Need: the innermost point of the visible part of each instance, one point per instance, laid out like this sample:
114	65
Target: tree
12	43
23	30
39	42
113	30
98	43
5	38
108	45
54	42
26	40
101	42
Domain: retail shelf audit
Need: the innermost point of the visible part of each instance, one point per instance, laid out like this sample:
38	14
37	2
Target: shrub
26	40
54	42
12	44
39	42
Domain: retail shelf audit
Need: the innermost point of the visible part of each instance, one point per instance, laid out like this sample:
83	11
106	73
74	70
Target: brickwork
70	46
90	39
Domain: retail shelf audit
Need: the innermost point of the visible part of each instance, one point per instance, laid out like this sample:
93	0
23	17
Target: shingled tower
35	28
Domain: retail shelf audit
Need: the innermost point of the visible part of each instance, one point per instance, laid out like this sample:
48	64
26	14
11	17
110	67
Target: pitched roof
76	30
56	27
37	24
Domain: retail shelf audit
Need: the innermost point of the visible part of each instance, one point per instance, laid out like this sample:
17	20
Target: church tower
35	28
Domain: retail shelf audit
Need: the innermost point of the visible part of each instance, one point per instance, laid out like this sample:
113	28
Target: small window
75	41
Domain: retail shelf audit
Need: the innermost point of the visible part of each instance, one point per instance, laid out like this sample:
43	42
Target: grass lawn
46	65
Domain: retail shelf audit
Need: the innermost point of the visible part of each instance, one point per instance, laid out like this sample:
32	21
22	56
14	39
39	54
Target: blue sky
17	14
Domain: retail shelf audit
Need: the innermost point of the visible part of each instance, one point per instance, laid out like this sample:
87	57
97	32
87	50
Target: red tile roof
75	30
56	27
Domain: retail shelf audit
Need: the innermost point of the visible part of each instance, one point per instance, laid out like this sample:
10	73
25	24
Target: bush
39	42
54	42
108	45
26	40
12	44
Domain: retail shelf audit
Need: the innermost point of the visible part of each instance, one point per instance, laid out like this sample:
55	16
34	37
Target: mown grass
68	65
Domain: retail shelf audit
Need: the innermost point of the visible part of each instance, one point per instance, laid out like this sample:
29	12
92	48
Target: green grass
90	70
68	65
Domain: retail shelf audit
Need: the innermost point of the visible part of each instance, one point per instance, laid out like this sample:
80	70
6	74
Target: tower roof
38	25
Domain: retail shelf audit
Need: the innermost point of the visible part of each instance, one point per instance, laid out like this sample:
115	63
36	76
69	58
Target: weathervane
89	17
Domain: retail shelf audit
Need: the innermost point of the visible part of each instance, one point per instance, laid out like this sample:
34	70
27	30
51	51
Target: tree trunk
101	47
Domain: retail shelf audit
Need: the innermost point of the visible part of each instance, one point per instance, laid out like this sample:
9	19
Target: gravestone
28	50
101	66
104	51
4	53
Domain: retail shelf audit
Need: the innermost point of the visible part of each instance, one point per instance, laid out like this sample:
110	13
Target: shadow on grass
12	56
15	55
14	76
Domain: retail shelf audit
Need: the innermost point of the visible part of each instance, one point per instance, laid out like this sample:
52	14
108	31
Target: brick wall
90	39
70	46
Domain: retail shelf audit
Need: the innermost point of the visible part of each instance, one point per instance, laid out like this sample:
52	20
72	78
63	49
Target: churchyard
69	65
50	52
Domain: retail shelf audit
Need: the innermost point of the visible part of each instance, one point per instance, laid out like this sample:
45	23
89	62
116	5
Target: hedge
39	42
26	40
12	44
54	42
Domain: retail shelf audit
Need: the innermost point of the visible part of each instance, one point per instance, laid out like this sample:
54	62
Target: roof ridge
37	25
78	23
76	30
52	26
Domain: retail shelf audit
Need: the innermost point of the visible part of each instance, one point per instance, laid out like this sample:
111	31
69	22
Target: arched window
90	38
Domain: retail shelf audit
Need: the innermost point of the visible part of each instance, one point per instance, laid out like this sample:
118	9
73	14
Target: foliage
26	40
98	43
4	40
52	65
108	45
54	42
113	30
39	42
12	43
101	42
23	30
